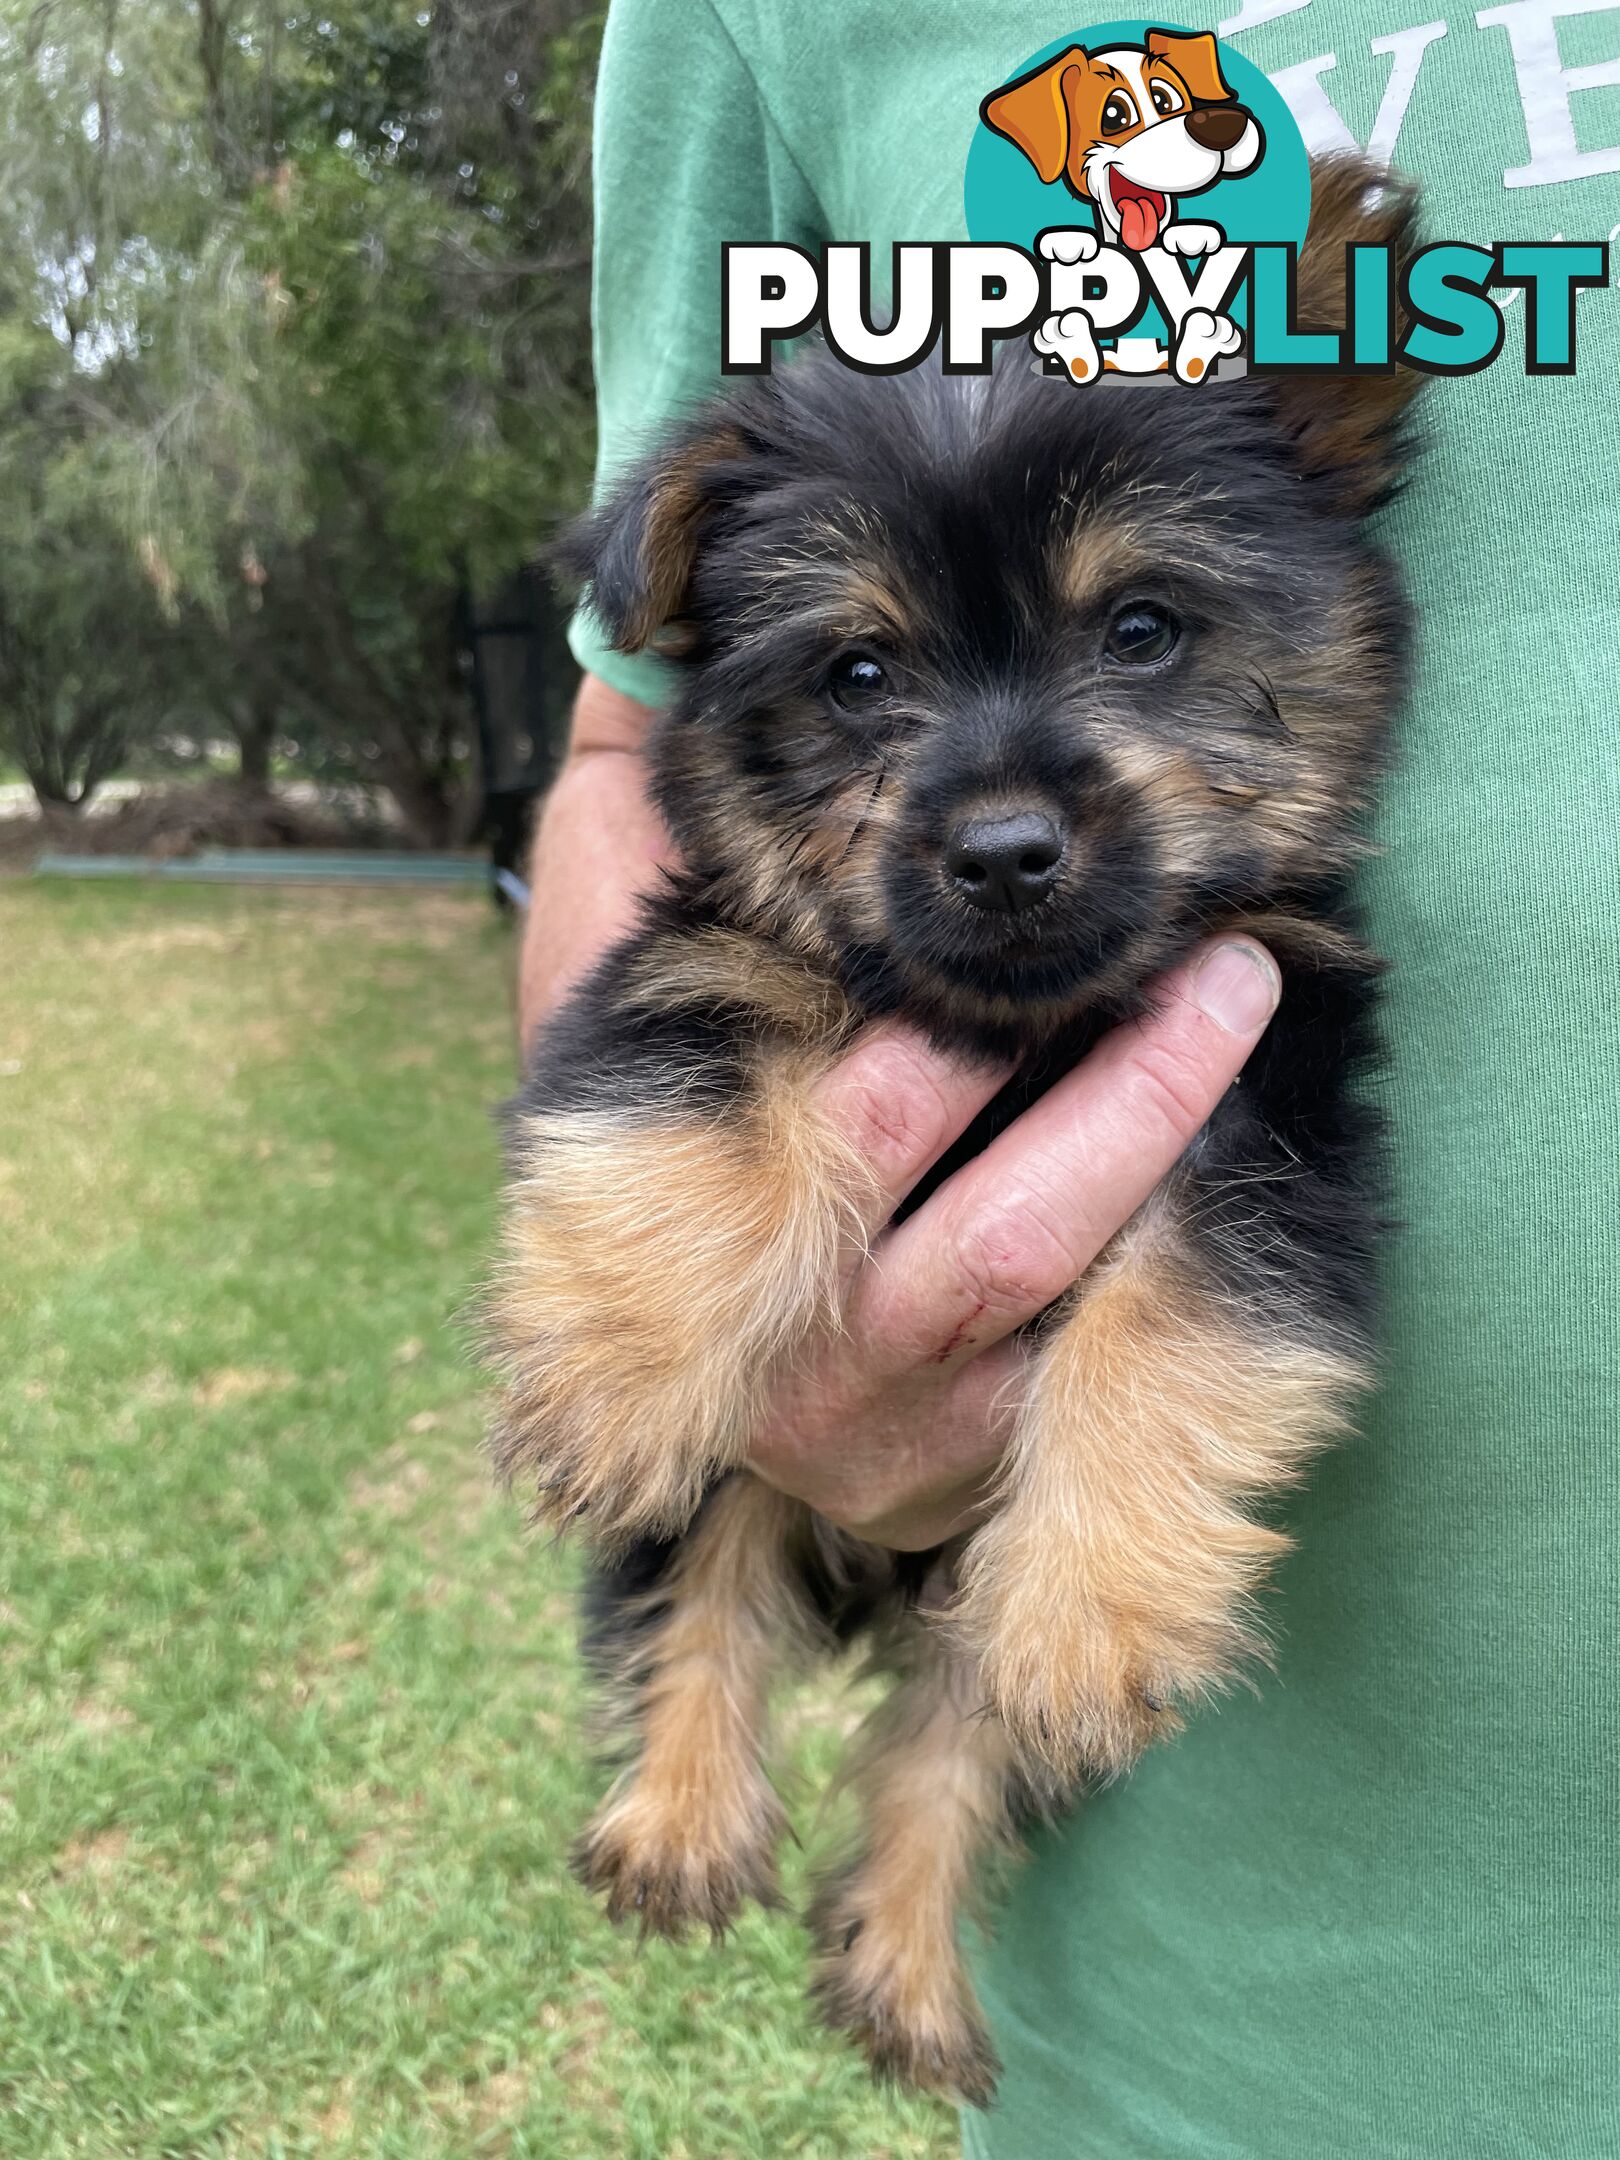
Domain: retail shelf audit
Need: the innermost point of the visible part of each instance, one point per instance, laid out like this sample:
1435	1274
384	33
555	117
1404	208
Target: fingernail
1238	986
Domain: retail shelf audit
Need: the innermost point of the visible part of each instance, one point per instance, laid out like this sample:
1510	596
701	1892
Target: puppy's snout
1005	864
1217	127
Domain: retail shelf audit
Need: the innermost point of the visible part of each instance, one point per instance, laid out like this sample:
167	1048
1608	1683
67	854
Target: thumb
1017	1226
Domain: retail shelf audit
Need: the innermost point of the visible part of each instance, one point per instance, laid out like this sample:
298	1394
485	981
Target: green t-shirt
1372	1910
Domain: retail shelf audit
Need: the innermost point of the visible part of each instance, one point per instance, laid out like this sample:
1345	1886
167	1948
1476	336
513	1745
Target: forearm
594	853
596	850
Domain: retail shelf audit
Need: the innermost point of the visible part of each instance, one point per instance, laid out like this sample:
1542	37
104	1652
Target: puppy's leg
938	1789
691	1827
1120	1572
660	1264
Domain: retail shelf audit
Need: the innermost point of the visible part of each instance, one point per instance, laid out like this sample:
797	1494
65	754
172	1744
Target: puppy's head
1131	128
994	694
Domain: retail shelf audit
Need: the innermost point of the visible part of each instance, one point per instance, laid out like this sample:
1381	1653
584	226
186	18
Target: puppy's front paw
670	1861
903	1998
653	1280
1082	1690
1083	1686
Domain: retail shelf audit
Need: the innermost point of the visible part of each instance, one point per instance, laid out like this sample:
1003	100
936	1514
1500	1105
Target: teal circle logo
1070	125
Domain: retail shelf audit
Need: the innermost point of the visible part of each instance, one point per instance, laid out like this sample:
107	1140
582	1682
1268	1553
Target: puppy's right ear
1033	112
639	547
1348	431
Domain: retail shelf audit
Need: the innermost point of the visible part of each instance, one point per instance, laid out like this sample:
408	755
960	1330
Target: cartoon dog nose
1005	864
1216	127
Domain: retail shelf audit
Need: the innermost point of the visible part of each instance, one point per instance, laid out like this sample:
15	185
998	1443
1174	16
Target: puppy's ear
1033	112
1195	60
639	546
1347	430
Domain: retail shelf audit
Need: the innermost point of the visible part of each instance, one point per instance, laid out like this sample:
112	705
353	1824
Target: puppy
992	701
1131	129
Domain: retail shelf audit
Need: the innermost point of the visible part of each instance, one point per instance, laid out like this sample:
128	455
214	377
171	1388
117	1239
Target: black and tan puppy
994	697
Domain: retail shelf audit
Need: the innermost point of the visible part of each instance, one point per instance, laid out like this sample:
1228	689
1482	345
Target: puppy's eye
856	681
1164	98
1118	114
1139	635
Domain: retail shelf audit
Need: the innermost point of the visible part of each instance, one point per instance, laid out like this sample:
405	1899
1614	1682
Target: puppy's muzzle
1217	127
1005	864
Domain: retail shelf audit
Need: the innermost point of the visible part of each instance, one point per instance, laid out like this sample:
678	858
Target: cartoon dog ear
1033	112
1196	60
1347	430
639	546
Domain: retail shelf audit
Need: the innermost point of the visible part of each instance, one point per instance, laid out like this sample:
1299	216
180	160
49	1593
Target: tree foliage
294	348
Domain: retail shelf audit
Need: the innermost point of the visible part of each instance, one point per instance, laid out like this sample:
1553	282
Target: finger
900	1103
958	1487
1017	1226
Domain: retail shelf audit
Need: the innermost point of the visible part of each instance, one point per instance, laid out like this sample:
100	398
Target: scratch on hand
957	1334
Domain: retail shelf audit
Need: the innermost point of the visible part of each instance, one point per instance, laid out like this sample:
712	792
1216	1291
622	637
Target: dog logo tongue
1141	211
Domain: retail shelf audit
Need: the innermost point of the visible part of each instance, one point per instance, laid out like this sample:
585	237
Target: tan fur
859	604
691	1827
1346	436
732	968
1098	556
1119	1573
656	1275
669	539
1304	942
932	1774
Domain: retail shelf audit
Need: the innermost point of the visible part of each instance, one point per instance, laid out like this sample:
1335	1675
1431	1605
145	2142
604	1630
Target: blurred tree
294	311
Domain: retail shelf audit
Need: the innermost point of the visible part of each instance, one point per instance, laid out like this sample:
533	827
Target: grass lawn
290	1748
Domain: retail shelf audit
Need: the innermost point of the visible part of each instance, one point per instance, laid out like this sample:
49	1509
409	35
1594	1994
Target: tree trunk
434	811
254	726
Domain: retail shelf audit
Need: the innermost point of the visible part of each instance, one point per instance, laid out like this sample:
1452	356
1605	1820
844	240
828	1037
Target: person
1372	1907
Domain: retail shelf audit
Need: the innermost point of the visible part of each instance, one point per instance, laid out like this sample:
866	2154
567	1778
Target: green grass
290	1741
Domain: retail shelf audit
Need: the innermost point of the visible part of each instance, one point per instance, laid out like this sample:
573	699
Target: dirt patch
500	2097
232	1383
97	1718
97	1856
393	1487
365	1874
585	2027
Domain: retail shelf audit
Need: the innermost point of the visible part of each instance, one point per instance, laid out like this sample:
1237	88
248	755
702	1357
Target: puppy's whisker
1270	708
861	822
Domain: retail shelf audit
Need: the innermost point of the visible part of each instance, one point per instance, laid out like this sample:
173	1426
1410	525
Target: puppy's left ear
1348	431
1196	60
639	547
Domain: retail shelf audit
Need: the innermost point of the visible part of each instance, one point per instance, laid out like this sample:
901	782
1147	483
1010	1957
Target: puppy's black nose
1216	127
1005	864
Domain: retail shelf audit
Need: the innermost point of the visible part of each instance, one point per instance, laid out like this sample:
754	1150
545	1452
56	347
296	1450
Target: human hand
893	1428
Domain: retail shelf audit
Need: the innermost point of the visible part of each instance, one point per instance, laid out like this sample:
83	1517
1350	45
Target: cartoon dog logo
1131	130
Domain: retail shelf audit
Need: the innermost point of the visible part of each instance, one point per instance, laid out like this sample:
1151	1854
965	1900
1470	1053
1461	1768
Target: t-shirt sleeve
686	157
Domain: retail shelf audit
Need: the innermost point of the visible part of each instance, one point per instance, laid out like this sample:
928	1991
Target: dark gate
523	679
